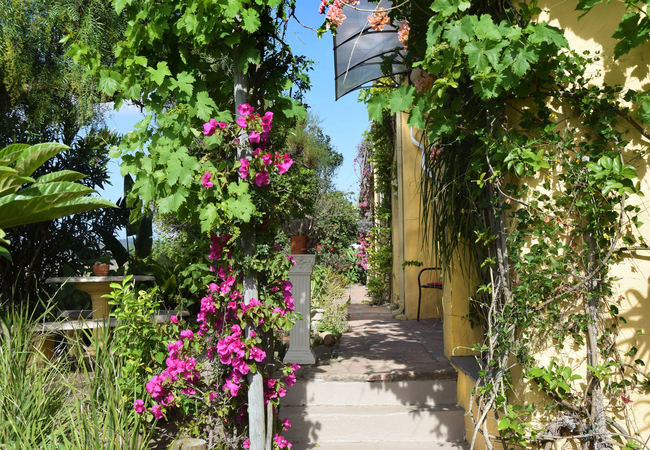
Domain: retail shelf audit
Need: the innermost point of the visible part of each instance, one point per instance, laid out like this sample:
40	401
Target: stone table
97	287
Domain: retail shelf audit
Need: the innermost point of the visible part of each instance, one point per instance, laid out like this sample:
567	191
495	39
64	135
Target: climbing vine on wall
533	174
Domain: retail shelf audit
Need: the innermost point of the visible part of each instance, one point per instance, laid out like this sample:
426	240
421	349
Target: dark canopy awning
358	50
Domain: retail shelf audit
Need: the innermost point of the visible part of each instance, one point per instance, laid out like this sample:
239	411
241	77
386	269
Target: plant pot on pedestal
299	245
101	270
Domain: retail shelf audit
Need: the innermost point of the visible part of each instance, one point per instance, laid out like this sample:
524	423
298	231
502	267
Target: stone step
383	445
339	424
410	392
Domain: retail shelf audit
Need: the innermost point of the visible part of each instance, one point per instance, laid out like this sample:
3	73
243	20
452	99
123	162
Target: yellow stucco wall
592	33
409	245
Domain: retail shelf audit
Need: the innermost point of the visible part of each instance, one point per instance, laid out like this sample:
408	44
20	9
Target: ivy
527	166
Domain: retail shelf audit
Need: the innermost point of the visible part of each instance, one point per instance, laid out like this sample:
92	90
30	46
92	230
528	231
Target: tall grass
101	416
31	395
62	404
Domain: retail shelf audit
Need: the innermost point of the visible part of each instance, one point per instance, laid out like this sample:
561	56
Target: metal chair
432	285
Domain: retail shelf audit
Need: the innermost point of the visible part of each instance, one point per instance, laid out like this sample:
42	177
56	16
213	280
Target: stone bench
75	320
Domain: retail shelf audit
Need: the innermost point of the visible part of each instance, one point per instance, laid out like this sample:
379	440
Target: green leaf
240	208
401	98
204	106
208	216
173	202
250	20
184	83
632	31
109	81
504	424
119	5
586	5
459	30
544	33
158	75
33	157
476	55
644	111
448	7
375	108
485	28
62	175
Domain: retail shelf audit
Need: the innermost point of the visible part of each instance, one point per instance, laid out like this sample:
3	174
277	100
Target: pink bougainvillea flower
212	396
139	406
286	423
262	178
206	183
187	334
290	379
286	163
379	19
209	127
245	109
267	158
246	444
173	319
243	170
188	391
222	125
282	442
257	152
403	33
157	411
241	121
257	354
625	398
322	7
266	121
254	137
335	15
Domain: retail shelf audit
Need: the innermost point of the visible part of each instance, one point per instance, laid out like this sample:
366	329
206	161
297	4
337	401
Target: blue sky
344	120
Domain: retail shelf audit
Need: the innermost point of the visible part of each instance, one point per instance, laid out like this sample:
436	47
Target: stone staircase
387	386
409	414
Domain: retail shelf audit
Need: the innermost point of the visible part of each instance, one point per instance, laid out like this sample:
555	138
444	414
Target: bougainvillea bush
205	370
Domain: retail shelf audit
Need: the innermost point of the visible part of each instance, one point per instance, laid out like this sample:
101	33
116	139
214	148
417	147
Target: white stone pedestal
299	336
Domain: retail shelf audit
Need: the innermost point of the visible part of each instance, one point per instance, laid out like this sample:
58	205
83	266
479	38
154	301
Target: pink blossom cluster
258	168
379	19
362	254
222	319
180	367
423	80
403	33
436	153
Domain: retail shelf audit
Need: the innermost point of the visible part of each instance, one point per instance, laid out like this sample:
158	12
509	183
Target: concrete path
380	348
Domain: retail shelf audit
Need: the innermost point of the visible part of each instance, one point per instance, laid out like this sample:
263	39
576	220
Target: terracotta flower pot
299	245
101	270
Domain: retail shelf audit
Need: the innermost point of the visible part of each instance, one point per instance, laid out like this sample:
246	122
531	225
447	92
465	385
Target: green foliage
65	246
527	177
138	342
48	197
335	230
179	65
328	294
31	396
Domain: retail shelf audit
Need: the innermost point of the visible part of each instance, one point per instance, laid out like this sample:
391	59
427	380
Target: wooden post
256	422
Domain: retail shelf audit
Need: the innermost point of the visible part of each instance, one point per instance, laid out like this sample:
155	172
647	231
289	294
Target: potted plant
101	267
299	230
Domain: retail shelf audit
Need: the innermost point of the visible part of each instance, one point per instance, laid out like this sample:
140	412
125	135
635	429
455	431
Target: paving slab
380	348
